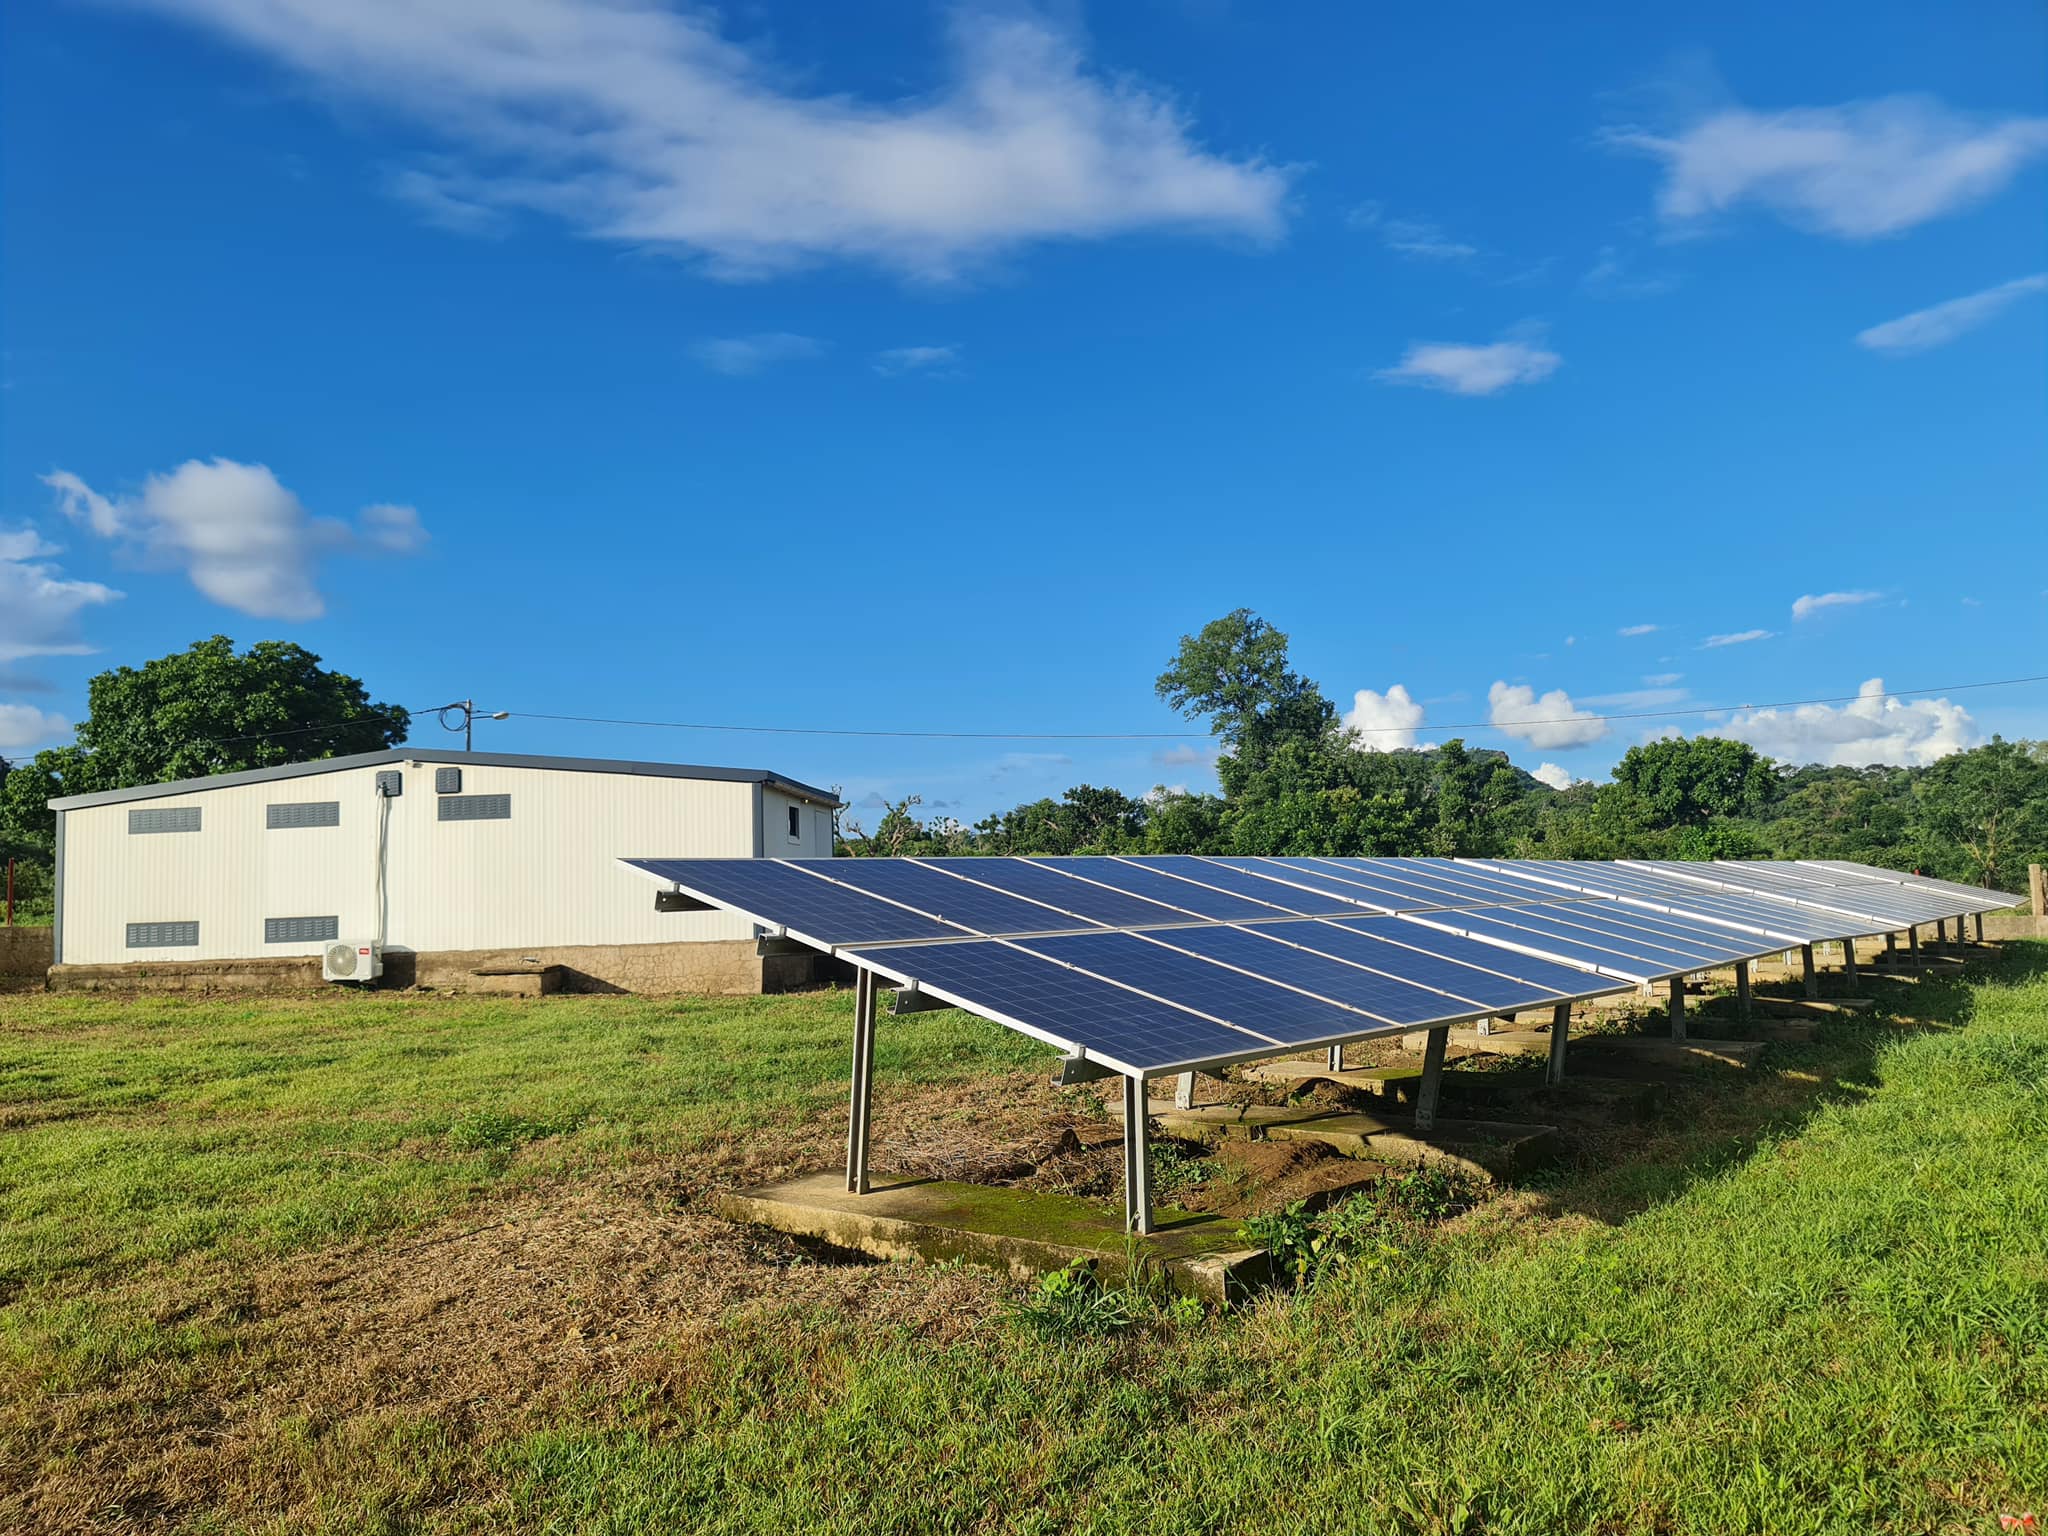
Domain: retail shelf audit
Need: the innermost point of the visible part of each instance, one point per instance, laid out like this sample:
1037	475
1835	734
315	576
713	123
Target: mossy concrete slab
1486	1149
1809	1007
1021	1232
1207	1121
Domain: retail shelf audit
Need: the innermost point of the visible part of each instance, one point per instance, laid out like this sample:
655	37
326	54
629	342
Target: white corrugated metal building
426	852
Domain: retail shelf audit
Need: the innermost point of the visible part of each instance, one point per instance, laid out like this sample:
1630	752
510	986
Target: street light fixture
466	712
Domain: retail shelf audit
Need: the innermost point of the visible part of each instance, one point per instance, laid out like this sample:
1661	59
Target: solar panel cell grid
1089	903
956	901
778	895
1186	979
1268	952
1413	944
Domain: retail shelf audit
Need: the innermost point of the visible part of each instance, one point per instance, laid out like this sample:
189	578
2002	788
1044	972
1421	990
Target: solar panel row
1152	964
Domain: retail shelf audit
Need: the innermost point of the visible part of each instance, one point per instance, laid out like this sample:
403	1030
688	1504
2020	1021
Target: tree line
1293	780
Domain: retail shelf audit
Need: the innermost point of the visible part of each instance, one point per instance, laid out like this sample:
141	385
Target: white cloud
1740	637
24	728
641	124
1555	776
1662	679
1940	324
1544	721
1856	171
1630	631
243	538
39	606
743	356
1471	370
1873	729
935	361
1806	607
1184	756
1416	238
1383	722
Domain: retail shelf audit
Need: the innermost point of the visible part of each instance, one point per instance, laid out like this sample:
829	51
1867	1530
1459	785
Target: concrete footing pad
1809	1007
1486	1149
1587	1054
1018	1231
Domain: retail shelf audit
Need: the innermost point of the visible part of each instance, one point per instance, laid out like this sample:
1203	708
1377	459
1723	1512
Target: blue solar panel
1495	887
1381	934
1418	888
1583	951
1283	898
1021	877
1675	931
957	901
1195	983
1077	1010
779	895
1270	951
1139	881
1757	914
1304	876
1871	908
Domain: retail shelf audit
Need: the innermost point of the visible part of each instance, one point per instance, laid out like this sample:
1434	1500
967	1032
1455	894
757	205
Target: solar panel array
1158	964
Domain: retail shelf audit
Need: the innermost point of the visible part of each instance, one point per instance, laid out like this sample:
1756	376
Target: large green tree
208	709
1692	780
1234	674
1982	815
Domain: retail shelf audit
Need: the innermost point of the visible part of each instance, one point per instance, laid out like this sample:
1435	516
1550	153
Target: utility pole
466	708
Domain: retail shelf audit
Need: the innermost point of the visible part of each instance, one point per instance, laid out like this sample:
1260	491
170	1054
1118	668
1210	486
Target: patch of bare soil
1254	1178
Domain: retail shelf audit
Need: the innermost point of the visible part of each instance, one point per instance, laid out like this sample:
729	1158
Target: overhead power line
1694	711
1469	725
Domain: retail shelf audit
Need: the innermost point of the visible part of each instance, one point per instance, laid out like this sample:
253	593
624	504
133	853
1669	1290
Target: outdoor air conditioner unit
362	962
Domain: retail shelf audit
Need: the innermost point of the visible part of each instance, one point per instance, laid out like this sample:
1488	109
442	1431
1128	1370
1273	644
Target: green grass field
398	1264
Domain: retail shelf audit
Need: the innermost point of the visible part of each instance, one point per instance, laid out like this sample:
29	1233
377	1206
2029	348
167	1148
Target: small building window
167	818
162	935
474	808
796	825
300	930
309	813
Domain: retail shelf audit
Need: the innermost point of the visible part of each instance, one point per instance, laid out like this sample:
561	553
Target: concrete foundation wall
731	969
24	951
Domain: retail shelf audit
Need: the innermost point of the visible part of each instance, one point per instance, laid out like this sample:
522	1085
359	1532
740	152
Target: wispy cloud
642	124
1612	276
1940	324
1630	631
1740	637
1464	369
1418	239
1806	607
1383	722
243	538
39	605
1636	698
1855	171
1662	679
1544	721
741	357
933	362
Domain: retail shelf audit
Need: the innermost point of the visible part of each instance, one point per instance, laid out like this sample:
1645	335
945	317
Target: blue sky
926	368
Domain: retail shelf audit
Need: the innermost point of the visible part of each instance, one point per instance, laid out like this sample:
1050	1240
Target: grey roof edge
391	755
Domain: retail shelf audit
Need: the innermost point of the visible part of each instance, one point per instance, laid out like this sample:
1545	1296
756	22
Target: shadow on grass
1638	1139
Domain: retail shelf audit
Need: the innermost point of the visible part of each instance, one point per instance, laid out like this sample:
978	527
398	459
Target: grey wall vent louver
390	782
447	781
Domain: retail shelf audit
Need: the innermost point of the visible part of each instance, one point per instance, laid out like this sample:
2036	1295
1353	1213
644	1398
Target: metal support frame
1184	1091
1941	933
1137	1158
1337	1058
1849	963
1891	948
1980	927
1560	1032
1810	977
1742	993
863	1093
1913	942
1432	1078
1676	1007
